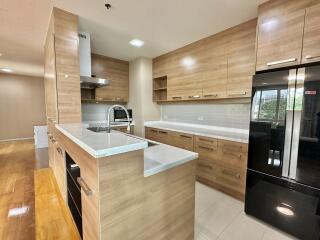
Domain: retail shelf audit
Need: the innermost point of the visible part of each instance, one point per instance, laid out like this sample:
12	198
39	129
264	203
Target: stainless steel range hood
91	82
86	79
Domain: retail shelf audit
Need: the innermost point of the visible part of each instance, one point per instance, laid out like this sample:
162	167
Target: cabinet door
60	169
215	66
182	140
280	35
117	72
185	73
160	66
311	41
152	134
241	60
50	75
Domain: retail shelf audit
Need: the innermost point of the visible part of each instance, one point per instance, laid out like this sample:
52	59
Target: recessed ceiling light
0	54
7	70
136	42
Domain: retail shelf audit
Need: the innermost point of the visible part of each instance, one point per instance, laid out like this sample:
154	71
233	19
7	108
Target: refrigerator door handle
289	122
298	108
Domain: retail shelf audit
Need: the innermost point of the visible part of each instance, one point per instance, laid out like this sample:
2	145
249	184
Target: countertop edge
163	168
106	152
154	125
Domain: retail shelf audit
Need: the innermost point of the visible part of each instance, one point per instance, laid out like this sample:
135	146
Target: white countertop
230	134
101	144
157	158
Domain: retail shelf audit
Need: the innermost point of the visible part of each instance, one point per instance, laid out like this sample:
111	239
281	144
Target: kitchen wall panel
221	115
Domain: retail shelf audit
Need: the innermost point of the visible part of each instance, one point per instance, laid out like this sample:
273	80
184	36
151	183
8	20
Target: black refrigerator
283	175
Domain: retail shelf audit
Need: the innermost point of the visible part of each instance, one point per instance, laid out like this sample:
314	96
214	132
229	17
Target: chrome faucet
127	113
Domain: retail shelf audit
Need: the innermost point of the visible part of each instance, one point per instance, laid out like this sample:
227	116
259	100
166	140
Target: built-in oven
74	192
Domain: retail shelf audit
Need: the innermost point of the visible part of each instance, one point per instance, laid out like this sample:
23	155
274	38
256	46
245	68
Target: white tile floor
221	217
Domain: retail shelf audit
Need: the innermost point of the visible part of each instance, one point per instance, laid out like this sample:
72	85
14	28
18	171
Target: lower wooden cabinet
180	140
221	164
59	169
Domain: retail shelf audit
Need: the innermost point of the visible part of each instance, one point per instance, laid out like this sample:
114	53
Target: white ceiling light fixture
6	70
137	43
0	54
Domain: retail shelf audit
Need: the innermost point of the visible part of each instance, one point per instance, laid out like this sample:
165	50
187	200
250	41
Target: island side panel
89	172
142	208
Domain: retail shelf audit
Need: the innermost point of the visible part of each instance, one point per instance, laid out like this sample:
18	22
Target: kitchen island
130	188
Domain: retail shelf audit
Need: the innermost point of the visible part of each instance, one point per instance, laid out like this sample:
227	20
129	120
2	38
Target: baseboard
16	139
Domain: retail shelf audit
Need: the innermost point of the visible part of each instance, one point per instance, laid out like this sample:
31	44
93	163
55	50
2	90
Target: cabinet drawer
182	140
230	178
151	133
233	154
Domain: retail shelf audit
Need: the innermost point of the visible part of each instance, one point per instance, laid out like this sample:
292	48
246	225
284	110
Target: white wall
222	115
140	94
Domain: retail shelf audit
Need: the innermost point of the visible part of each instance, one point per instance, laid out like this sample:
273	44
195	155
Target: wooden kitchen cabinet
59	169
222	165
215	75
185	73
117	72
176	139
217	67
241	60
311	41
280	34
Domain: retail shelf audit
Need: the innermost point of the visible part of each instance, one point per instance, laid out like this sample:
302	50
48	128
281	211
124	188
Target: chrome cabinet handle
204	165
195	96
74	165
206	140
59	150
231	174
238	94
185	136
84	186
312	57
269	64
206	148
163	132
211	95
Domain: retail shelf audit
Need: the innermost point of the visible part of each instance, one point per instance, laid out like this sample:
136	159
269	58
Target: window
269	105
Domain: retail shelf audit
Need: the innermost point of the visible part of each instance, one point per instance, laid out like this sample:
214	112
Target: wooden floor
53	219
17	212
26	211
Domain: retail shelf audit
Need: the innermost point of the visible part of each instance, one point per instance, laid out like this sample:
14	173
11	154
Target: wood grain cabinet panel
311	41
160	66
280	35
117	72
215	76
241	60
59	169
185	73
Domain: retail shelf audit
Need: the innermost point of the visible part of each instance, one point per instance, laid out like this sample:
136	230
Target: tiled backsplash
94	112
222	115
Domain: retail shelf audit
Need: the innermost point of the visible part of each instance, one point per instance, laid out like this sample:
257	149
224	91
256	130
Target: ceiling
23	27
163	26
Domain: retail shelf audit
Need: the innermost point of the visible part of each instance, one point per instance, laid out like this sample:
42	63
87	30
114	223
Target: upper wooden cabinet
61	69
311	41
117	72
283	28
218	67
185	71
215	75
241	59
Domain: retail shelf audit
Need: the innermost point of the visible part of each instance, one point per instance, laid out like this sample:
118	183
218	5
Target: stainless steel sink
99	129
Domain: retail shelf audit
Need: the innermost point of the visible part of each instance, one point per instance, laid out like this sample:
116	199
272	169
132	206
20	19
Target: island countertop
158	157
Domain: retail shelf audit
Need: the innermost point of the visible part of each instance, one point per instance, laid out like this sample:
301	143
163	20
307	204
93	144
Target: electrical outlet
200	118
